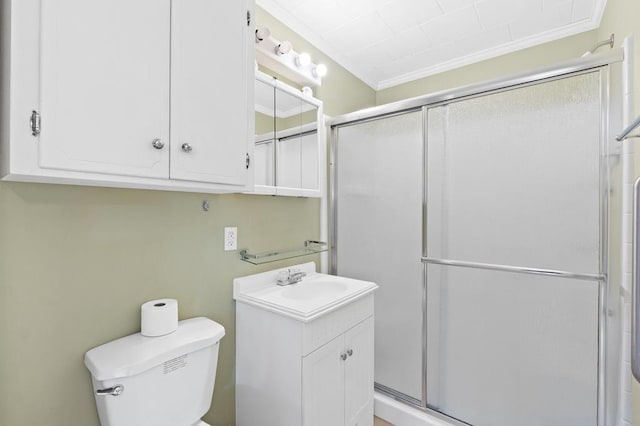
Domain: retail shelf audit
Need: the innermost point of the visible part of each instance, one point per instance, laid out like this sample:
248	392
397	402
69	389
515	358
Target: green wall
77	263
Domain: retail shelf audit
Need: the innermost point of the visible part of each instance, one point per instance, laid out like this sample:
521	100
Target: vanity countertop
315	295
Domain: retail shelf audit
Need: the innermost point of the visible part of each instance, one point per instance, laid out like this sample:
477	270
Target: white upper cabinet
211	91
151	94
104	91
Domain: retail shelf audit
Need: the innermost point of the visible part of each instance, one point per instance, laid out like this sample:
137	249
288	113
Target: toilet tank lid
136	353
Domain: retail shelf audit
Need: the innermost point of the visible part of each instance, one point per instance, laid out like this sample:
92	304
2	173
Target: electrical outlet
230	238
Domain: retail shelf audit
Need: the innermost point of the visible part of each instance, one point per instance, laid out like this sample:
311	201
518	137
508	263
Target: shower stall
490	218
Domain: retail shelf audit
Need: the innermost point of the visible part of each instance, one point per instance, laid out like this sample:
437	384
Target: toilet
157	381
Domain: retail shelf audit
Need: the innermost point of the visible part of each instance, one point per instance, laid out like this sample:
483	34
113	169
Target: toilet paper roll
159	317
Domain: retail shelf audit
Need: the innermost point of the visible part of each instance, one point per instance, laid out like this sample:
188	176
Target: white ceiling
389	42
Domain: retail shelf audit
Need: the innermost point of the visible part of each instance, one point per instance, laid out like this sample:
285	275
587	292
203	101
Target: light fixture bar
290	64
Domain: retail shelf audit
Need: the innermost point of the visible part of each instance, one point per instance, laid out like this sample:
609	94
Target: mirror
287	154
264	154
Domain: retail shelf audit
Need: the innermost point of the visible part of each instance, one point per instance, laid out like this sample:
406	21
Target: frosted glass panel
379	225
509	349
513	177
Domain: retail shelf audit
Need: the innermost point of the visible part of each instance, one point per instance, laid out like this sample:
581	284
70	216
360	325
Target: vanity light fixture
280	57
283	48
319	70
303	60
262	34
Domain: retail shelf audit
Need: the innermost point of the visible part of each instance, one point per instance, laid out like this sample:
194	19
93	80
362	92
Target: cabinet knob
187	147
343	356
350	352
158	144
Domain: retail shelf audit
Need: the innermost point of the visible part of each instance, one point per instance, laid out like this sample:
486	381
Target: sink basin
316	295
314	289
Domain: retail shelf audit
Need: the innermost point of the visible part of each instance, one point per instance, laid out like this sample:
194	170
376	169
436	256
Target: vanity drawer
318	332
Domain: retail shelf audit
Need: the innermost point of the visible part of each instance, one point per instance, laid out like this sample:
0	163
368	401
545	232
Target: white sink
314	296
316	287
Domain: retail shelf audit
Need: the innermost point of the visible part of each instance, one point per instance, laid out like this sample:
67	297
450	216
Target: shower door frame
609	67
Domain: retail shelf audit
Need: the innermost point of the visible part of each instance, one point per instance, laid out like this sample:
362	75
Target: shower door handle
635	291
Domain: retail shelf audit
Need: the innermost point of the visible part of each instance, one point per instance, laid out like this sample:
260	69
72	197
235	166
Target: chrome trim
635	287
298	135
568	67
398	396
630	128
414	403
333	204
516	269
425	324
605	185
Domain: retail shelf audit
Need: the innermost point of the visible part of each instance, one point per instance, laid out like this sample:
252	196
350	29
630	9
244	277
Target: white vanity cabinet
291	373
304	353
128	93
332	376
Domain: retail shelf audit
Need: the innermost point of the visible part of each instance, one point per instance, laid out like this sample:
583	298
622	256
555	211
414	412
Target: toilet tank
164	381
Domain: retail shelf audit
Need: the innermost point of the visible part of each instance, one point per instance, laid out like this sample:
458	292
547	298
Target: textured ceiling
389	42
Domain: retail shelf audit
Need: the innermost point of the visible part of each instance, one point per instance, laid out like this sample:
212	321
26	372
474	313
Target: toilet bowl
157	381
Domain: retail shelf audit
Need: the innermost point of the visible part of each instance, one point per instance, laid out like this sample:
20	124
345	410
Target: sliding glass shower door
513	255
484	221
378	173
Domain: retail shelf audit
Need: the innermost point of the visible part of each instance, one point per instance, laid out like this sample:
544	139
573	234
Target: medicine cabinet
288	155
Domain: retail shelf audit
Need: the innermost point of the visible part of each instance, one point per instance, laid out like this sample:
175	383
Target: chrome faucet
290	276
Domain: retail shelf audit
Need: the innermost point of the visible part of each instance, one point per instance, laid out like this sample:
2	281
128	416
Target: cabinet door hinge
248	160
35	123
248	18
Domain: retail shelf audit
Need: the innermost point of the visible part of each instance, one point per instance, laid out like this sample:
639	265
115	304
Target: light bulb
319	71
303	59
283	48
261	34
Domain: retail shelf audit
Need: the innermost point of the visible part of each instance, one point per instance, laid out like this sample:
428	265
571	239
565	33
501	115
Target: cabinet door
358	387
104	94
212	76
323	385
